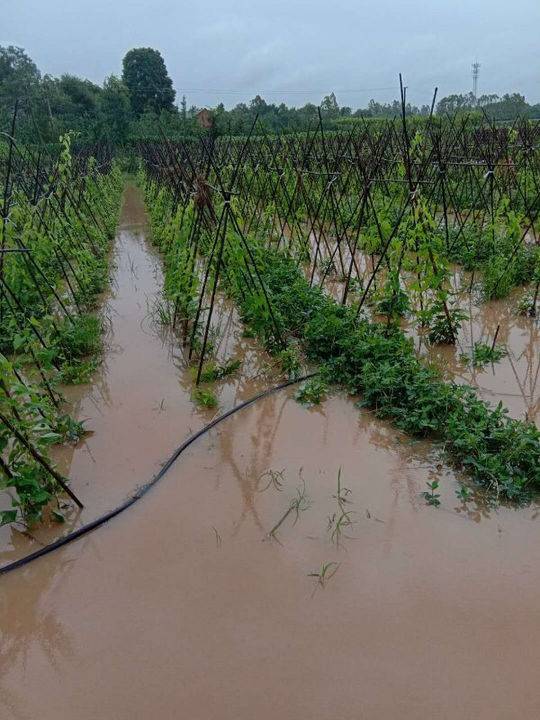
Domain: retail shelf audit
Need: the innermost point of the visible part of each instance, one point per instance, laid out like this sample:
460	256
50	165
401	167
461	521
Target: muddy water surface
515	379
184	607
138	408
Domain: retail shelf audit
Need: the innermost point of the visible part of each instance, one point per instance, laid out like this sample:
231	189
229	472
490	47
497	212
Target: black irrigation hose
141	492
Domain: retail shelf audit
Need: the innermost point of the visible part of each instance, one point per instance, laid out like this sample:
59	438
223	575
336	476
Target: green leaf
7	517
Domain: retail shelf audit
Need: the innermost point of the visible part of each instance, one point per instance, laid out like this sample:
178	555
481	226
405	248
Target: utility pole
475	73
183	111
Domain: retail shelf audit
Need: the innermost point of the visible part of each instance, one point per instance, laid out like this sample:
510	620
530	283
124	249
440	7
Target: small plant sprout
342	495
464	493
431	496
217	537
340	520
298	504
326	573
337	524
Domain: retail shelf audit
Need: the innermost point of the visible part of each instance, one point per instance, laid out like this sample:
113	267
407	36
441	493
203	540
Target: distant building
205	119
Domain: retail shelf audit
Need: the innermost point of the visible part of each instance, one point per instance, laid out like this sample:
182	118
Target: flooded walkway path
185	607
138	408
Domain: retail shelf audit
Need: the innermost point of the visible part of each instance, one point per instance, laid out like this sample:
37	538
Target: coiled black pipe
141	492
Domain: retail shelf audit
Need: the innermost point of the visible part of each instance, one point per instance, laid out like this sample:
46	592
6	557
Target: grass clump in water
214	372
484	354
205	398
78	338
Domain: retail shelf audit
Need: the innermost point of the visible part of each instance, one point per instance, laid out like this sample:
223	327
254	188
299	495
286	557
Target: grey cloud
245	47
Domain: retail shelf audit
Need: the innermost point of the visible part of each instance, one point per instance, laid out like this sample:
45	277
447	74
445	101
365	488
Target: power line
267	92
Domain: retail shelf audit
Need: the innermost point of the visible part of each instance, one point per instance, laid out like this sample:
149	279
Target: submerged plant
213	372
298	504
327	266
444	323
527	305
464	493
325	573
340	520
431	496
312	392
78	338
484	354
392	300
205	398
78	372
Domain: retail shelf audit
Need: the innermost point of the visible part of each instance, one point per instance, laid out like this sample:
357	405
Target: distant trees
50	105
147	80
507	107
388	110
454	103
141	102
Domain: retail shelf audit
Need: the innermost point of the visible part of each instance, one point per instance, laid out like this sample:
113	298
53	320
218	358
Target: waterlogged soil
513	380
138	408
185	607
365	602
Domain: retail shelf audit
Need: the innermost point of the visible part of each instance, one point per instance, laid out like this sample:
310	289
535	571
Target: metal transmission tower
475	73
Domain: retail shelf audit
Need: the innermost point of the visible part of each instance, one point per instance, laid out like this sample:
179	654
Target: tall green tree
329	105
115	110
18	73
19	80
145	76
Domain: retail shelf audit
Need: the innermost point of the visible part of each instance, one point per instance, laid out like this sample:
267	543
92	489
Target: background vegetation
129	107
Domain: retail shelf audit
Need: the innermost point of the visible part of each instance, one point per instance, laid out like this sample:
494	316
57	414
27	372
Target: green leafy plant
205	398
464	493
289	360
312	392
214	372
431	496
484	354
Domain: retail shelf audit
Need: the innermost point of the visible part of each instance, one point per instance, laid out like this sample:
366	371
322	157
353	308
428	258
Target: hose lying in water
141	492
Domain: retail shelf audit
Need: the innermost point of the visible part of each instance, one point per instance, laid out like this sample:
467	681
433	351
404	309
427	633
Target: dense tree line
141	103
507	107
48	106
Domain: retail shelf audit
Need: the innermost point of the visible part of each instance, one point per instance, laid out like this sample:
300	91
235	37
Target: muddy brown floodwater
515	379
138	408
184	607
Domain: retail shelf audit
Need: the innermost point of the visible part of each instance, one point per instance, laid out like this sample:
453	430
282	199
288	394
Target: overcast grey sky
229	50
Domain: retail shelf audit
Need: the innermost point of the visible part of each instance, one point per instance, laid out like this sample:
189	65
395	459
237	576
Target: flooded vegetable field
302	471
